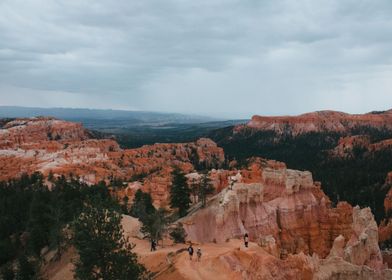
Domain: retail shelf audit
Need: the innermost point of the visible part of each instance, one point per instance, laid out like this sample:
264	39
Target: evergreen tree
155	224
205	189
142	206
40	221
7	251
180	192
25	269
7	272
104	252
178	233
124	205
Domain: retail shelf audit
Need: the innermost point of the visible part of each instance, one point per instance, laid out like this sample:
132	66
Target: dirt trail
171	261
219	261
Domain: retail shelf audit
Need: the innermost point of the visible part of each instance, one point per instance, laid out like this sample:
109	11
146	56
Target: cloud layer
224	58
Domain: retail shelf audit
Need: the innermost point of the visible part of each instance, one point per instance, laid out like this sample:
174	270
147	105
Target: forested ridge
358	178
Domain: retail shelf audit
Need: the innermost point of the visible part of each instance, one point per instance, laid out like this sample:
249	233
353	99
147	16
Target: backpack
190	250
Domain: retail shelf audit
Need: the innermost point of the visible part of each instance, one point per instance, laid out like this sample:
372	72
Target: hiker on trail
153	245
198	254
246	240
190	251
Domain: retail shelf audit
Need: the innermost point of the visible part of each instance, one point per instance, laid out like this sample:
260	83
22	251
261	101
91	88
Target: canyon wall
322	121
287	213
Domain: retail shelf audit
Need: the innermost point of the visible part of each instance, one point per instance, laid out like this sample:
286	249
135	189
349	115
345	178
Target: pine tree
180	192
25	269
104	252
40	221
7	272
205	189
155	224
178	234
142	206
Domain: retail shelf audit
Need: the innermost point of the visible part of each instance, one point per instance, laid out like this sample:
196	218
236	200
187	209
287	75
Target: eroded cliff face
21	133
63	148
231	260
322	121
385	228
282	203
388	198
348	146
291	219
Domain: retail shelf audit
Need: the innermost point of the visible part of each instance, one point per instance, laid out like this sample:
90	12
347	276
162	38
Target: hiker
246	240
190	251
153	245
198	254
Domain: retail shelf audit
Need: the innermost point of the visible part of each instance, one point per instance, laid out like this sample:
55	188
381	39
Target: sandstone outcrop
385	228
319	122
20	132
53	146
388	198
362	247
347	145
289	216
282	203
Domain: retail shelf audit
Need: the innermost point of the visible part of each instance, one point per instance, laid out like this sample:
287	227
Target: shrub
178	234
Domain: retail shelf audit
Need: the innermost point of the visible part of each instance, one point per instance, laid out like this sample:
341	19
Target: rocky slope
385	229
288	215
351	146
53	146
388	199
320	121
23	132
231	260
271	200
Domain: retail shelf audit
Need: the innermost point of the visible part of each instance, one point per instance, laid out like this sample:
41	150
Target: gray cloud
231	58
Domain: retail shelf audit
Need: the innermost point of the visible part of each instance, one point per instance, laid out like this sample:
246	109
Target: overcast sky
220	58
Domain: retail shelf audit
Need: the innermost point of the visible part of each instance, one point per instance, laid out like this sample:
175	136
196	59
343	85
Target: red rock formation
280	202
229	260
385	228
63	148
291	218
388	198
37	130
319	121
347	145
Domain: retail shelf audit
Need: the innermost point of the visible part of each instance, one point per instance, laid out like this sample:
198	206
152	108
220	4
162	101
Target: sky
223	58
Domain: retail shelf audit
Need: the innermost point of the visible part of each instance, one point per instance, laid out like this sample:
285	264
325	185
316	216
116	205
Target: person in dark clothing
190	251
198	254
153	245
246	240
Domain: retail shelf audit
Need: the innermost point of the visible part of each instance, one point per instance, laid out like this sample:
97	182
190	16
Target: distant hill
73	114
320	121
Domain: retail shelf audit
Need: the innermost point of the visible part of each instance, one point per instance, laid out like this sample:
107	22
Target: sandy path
219	261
